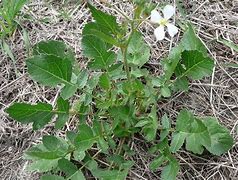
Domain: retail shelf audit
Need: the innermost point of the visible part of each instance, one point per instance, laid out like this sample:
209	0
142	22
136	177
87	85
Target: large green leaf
200	133
189	42
170	171
56	48
110	174
43	153
43	165
138	52
193	130
40	114
85	139
157	162
105	20
177	141
99	32
221	140
194	65
150	130
104	81
94	48
52	143
50	70
71	170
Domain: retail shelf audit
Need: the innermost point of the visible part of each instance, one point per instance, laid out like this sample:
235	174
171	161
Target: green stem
118	150
124	54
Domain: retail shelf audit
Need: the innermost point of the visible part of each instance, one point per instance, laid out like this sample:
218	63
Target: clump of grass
8	12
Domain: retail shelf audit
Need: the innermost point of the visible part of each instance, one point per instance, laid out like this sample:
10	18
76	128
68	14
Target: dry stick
211	90
12	82
191	166
209	85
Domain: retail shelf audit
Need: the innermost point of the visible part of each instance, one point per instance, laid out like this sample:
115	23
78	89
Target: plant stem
124	53
118	150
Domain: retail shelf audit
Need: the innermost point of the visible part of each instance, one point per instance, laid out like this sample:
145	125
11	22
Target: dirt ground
215	96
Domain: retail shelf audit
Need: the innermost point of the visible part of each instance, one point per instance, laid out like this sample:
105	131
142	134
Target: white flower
159	32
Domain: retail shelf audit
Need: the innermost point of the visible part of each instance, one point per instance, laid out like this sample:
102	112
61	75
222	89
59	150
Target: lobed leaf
200	133
195	132
221	140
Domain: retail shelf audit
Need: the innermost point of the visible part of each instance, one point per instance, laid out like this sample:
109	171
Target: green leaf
165	122
98	129
8	51
78	175
50	70
232	65
142	123
63	112
43	165
79	155
67	167
53	143
194	65
138	52
51	177
150	130
82	79
197	135
94	48
85	139
68	91
157	162
105	20
221	140
229	44
170	171
165	91
177	141
109	174
104	81
102	36
181	84
40	114
190	41
43	154
56	48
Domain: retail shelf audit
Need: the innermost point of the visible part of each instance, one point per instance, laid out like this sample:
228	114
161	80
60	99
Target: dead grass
216	96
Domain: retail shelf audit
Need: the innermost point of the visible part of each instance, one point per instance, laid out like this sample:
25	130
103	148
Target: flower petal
172	29
159	33
155	16
168	11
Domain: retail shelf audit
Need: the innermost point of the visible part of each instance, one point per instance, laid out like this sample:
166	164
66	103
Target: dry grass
216	96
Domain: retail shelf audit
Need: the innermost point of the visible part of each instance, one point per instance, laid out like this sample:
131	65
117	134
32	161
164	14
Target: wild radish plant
118	100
